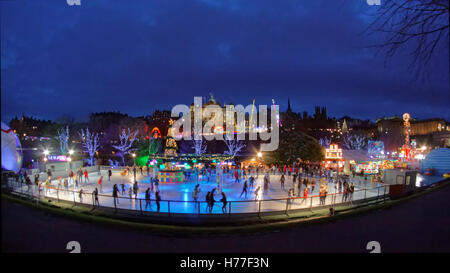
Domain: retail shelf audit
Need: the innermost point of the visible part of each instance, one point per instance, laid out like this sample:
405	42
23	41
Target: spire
211	99
289	110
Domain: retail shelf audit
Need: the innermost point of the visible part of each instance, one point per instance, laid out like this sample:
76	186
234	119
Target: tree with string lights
354	141
63	139
325	142
90	143
199	144
234	146
126	139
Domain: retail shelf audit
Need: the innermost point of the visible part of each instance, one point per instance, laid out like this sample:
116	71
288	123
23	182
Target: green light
162	167
142	160
214	161
195	160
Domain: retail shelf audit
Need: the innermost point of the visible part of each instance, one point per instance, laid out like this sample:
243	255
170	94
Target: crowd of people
299	181
75	181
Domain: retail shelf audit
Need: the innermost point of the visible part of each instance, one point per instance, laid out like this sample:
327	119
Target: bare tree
354	142
200	144
90	143
63	139
126	142
325	141
234	146
425	22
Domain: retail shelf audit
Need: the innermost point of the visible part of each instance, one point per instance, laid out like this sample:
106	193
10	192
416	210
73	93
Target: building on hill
391	130
428	126
28	127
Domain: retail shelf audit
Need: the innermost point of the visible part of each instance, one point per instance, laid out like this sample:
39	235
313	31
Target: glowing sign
58	158
334	152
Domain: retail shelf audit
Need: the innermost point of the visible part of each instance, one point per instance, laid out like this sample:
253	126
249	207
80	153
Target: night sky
138	56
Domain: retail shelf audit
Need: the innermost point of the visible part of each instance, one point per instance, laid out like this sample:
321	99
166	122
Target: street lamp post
70	159
259	155
46	153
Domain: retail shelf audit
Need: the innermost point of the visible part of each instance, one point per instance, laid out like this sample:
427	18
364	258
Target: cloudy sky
138	56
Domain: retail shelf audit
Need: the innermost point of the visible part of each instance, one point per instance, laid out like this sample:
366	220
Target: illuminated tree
234	146
63	139
325	142
199	145
171	144
126	143
354	142
90	143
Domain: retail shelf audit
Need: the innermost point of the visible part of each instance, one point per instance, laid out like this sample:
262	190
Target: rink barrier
199	207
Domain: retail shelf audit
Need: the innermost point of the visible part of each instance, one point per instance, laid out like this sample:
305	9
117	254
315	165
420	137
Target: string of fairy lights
193	158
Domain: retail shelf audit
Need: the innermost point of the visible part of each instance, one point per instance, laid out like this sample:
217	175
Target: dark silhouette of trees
295	145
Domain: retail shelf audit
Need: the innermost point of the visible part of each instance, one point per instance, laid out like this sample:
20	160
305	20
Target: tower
305	115
407	132
324	113
289	110
317	112
171	144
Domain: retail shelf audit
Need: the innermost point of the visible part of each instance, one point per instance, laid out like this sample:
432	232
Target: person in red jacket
86	177
305	195
100	183
236	176
71	175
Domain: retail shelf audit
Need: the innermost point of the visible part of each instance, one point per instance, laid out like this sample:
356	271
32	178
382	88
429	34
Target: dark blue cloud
136	56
